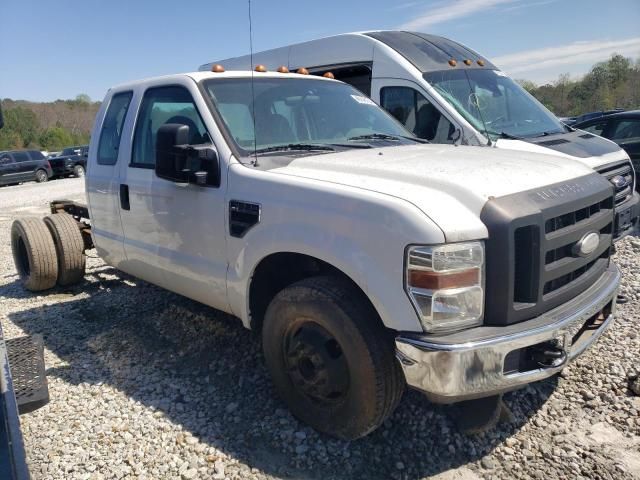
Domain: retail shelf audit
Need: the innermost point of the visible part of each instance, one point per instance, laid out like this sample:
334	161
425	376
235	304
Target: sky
51	49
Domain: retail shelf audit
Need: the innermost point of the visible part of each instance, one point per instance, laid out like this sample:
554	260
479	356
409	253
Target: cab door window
626	131
596	128
161	106
417	114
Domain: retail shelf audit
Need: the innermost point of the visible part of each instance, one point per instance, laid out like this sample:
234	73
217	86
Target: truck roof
426	52
199	76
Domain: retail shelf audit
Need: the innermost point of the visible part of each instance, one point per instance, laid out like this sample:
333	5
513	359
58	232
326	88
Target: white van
445	92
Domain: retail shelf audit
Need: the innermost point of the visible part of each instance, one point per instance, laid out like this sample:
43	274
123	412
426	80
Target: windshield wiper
304	147
505	135
385	136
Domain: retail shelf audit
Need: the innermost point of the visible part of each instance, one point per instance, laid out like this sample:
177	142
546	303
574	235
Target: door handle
124	197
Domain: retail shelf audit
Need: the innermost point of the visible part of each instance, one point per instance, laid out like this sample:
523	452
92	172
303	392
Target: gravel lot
146	384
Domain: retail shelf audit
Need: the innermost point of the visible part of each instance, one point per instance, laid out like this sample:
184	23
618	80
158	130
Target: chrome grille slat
622	169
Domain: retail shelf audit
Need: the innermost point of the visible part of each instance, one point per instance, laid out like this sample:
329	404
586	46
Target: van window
36	155
20	156
112	128
161	106
5	159
416	113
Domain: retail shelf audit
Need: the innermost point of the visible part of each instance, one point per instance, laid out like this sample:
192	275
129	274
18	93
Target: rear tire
41	176
69	246
34	254
78	171
331	359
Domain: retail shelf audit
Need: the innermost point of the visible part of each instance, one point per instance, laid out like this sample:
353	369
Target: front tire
78	171
331	359
41	176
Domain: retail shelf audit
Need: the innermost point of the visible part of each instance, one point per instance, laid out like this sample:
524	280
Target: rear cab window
109	143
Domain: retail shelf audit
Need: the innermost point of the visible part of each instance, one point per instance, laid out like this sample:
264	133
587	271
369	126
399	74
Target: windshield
300	111
494	104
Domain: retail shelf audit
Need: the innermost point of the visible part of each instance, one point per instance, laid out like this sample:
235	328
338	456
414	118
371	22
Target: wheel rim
79	172
41	176
315	363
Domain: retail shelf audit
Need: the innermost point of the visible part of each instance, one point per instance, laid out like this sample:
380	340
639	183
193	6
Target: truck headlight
446	285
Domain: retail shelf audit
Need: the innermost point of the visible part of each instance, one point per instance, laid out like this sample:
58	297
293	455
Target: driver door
174	233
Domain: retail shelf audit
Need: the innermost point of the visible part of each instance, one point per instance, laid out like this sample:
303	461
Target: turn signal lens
446	285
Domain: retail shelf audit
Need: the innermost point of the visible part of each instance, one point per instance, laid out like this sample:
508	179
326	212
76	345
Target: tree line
47	125
608	85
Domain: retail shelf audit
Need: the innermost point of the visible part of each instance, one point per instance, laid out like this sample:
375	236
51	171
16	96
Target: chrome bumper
471	364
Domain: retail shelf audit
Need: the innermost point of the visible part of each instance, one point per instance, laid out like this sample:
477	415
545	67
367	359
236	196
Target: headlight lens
446	285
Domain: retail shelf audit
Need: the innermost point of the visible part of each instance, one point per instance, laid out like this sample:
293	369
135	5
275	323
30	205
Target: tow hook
549	355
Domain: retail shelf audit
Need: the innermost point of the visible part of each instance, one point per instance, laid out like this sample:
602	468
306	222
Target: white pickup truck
366	259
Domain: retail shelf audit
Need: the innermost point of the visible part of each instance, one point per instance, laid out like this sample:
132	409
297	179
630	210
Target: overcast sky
53	49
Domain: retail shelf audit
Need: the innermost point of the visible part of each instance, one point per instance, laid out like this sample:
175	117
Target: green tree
56	138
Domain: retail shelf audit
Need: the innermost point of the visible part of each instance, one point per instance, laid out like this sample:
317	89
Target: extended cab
366	259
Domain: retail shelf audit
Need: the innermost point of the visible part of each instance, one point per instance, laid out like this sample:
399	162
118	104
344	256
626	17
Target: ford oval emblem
587	244
619	181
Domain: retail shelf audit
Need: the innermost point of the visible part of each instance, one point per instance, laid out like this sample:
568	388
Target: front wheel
78	171
41	176
331	359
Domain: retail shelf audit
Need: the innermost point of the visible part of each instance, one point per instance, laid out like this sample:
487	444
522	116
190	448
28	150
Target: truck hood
592	150
449	184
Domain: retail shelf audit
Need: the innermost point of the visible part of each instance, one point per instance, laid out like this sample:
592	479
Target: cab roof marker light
452	62
261	68
468	62
302	71
282	69
481	63
328	75
217	68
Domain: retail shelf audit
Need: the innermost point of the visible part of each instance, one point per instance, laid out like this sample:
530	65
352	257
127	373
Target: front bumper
479	362
627	217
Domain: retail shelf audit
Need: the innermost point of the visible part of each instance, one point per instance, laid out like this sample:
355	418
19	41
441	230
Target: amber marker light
328	75
283	69
468	62
438	280
452	62
302	71
481	63
261	68
217	68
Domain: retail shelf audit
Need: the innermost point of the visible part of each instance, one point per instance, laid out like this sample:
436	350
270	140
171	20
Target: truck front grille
623	172
533	260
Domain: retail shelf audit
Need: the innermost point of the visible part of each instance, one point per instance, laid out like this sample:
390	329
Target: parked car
624	129
18	166
366	259
445	92
71	161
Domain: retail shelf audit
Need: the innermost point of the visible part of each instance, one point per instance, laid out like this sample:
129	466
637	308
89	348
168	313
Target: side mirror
180	162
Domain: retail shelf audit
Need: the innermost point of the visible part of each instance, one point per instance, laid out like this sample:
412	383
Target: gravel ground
146	384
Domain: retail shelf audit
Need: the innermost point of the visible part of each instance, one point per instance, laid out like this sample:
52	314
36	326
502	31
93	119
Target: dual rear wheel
48	252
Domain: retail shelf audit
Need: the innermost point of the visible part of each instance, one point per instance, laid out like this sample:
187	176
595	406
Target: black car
624	129
18	166
72	161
